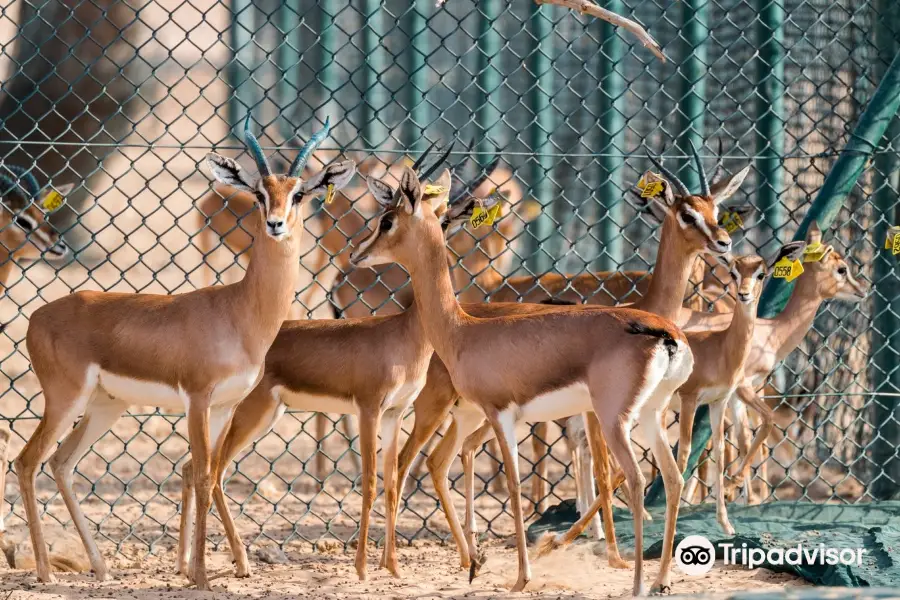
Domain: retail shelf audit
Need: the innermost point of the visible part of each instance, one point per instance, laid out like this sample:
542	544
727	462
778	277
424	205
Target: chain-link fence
125	98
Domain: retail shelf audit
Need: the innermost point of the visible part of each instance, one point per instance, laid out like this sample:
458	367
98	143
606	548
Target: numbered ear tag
814	252
484	216
329	194
433	190
731	222
892	242
651	185
787	269
52	201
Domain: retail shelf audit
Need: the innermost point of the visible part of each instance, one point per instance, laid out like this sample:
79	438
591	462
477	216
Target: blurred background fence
125	98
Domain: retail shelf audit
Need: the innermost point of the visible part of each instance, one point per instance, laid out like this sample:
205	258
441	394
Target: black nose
723	244
275	225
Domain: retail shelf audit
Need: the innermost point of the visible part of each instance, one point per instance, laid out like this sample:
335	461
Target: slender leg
749	397
465	421
101	413
717	422
696	485
255	416
686	420
201	459
539	451
390	440
186	530
504	425
62	408
424	449
600	454
651	423
346	425
319	467
470	447
369	424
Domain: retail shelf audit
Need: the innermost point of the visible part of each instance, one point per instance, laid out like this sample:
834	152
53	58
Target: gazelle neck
740	331
438	309
791	325
267	289
6	265
674	262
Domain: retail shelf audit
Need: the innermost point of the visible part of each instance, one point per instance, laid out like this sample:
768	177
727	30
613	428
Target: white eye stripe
698	221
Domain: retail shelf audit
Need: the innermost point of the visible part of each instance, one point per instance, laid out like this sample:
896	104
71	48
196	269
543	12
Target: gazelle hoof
660	590
477	562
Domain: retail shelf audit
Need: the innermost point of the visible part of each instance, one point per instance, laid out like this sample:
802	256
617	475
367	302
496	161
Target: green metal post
373	126
288	58
540	65
328	69
244	96
844	174
417	70
612	141
770	91
692	86
886	333
487	76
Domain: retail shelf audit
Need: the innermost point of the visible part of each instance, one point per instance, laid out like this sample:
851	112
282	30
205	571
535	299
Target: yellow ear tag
788	269
433	190
52	201
329	194
731	222
482	216
892	242
651	185
814	252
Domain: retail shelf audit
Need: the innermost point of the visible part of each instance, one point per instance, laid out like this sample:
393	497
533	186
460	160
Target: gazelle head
832	274
278	197
696	216
749	273
25	229
409	211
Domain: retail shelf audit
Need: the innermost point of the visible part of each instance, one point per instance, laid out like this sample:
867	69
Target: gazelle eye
761	276
386	224
688	218
842	270
25	224
260	198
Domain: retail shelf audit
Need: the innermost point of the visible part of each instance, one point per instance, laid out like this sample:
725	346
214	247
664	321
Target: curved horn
255	150
308	148
704	182
719	173
437	163
677	183
26	179
422	157
10	185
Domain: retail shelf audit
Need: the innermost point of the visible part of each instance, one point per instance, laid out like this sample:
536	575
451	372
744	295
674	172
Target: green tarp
874	527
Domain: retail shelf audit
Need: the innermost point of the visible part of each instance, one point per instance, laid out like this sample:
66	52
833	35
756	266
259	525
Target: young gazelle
689	229
201	352
25	231
491	365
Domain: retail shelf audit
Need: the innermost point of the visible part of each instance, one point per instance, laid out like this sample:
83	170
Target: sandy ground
429	570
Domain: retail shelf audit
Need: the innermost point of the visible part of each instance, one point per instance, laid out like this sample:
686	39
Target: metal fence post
692	86
417	73
288	58
487	77
374	131
243	90
770	91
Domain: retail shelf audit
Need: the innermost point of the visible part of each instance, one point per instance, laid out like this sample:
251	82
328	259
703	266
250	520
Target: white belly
402	396
558	404
153	393
711	395
313	403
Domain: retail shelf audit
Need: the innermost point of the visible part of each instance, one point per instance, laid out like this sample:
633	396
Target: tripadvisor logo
695	555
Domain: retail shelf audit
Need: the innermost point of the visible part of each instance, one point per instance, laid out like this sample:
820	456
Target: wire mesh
124	99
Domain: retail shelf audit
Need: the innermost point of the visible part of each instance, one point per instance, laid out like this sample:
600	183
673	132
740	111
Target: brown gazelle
201	352
690	228
25	231
490	363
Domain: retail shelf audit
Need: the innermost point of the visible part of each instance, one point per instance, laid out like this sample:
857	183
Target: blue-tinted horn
308	148
26	179
256	150
704	182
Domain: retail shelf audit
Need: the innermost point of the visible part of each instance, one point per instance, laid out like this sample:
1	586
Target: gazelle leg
600	455
201	459
5	434
749	397
320	469
651	423
539	451
717	422
369	424
100	415
469	449
495	483
390	441
504	426
417	466
186	529
346	425
686	429
465	421
62	408
262	412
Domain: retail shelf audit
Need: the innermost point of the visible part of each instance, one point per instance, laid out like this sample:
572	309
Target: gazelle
25	231
201	352
489	366
689	228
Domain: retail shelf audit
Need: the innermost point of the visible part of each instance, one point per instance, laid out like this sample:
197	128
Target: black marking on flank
669	342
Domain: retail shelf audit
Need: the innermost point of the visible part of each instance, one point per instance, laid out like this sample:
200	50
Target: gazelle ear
382	192
227	171
438	193
745	211
814	234
725	189
791	250
65	189
336	176
410	190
